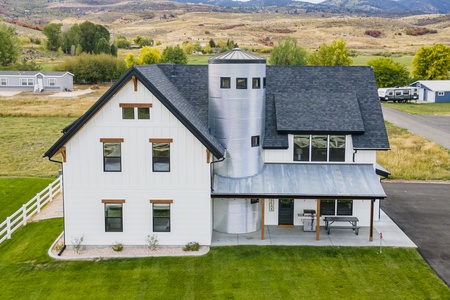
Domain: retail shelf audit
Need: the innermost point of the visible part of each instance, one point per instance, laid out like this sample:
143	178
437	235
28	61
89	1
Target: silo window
241	83
255	141
225	82
256	83
264	82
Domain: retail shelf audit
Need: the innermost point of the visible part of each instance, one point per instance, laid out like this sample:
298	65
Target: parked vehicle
398	94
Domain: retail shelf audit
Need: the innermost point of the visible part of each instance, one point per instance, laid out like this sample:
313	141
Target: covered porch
317	182
393	236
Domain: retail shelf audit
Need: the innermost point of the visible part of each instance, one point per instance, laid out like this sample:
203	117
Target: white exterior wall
86	184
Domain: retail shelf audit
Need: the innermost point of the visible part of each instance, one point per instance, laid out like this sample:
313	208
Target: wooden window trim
160	140
111	140
138	105
161	201
135	82
113	201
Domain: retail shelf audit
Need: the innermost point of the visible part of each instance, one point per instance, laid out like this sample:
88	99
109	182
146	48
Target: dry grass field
248	29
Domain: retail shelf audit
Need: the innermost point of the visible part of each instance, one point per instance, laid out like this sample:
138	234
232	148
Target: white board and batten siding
187	184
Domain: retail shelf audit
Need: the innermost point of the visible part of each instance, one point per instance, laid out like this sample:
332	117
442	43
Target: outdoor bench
332	219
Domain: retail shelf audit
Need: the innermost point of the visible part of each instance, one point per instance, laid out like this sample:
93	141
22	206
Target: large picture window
113	215
161	215
329	148
161	154
336	207
112	155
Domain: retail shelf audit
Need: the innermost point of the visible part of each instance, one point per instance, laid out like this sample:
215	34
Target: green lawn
198	59
436	109
241	272
361	60
17	191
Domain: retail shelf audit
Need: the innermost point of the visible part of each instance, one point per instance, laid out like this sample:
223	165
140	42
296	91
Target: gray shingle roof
299	99
32	73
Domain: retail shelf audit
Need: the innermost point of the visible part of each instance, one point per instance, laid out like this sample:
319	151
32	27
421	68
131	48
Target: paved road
434	128
422	211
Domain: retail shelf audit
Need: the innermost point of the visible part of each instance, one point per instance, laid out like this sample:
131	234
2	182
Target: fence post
50	190
38	202
8	228
24	214
60	184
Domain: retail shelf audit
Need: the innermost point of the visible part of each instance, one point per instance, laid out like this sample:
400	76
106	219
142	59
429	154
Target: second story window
112	155
161	154
328	148
255	141
256	83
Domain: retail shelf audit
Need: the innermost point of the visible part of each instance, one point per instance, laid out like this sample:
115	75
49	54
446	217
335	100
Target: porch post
318	220
371	221
262	218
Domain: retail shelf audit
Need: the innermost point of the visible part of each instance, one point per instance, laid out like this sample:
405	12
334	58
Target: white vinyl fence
29	209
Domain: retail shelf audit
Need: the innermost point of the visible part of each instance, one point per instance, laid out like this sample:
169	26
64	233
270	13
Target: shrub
419	31
117	247
152	242
191	246
77	244
373	33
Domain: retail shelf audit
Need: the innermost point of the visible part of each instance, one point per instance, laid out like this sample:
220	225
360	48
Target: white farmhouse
182	150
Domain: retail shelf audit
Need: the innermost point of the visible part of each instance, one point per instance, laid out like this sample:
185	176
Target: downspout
212	170
62	195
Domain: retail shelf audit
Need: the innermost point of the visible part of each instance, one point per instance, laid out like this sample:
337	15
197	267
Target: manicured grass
17	191
23	142
361	60
198	59
436	109
413	157
241	272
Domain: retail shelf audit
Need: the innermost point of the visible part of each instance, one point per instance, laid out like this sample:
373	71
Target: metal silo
237	110
236	118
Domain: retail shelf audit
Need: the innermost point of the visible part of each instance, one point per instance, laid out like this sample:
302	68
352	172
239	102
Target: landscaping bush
373	33
191	246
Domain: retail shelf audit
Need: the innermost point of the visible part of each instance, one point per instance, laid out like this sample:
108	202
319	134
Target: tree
113	50
91	34
143	41
335	54
130	60
188	47
9	45
432	62
71	37
148	56
53	33
174	55
287	52
102	46
389	73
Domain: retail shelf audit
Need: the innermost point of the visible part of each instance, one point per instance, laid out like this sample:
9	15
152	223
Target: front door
286	212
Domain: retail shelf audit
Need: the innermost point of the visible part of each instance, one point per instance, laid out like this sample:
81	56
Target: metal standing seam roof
236	56
304	180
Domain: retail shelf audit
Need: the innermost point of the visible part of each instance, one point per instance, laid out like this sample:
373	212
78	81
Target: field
241	272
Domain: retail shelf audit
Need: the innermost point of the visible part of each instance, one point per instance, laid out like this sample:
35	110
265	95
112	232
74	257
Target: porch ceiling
304	181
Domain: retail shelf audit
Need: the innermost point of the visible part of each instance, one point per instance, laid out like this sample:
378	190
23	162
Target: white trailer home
36	81
398	94
181	151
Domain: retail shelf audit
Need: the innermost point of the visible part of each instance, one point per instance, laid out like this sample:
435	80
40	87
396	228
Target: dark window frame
224	81
244	84
256	83
108	219
143	113
255	141
157	218
320	154
128	113
336	207
112	158
158	159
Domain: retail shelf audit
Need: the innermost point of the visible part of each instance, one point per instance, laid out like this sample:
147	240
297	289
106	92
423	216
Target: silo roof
237	56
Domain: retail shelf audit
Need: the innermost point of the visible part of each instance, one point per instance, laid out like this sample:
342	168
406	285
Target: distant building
36	81
433	90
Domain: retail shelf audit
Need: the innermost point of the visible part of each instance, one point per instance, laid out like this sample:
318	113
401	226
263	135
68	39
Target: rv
397	94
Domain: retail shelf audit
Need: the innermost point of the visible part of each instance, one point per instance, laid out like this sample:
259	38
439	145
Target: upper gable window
319	148
112	155
241	83
132	110
256	83
225	82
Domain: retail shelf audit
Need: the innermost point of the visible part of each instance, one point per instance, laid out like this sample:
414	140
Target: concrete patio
295	236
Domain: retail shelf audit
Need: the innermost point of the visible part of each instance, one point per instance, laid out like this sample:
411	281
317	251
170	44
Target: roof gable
434	85
158	84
